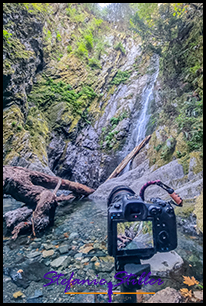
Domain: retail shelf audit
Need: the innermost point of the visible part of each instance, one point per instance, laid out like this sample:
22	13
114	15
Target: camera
137	228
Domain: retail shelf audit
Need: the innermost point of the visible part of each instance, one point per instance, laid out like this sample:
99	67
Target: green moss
120	47
120	77
199	211
181	148
198	166
186	209
48	92
185	161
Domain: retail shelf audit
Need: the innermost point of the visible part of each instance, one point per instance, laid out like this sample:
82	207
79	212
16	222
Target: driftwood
30	187
131	155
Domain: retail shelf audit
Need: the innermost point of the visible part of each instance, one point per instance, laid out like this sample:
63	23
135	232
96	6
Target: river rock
162	264
60	261
167	295
63	249
103	266
33	254
73	236
48	253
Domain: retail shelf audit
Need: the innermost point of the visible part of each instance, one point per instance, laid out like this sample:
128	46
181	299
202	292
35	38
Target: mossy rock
196	162
199	211
186	209
181	148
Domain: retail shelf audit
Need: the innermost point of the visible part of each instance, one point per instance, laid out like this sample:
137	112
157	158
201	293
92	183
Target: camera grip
176	198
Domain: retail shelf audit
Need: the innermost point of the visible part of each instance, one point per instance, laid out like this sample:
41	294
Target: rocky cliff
73	95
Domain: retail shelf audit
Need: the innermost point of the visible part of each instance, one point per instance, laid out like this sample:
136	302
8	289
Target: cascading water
139	127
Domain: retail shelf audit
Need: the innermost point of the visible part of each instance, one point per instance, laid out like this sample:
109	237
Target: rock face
23	56
171	174
47	136
167	295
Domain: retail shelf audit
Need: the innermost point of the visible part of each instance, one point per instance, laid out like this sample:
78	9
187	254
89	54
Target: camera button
117	205
163	236
118	215
170	210
163	224
153	211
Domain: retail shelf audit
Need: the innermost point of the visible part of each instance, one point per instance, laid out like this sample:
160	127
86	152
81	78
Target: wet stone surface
76	243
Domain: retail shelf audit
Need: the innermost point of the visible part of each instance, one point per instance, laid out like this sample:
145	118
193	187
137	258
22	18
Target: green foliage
158	147
94	63
58	36
190	122
79	18
49	91
120	77
48	35
69	48
13	123
81	50
120	47
6	36
19	128
70	11
36	8
100	48
167	149
115	120
89	41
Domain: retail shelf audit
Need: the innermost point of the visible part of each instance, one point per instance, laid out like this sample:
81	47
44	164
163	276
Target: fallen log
131	155
30	187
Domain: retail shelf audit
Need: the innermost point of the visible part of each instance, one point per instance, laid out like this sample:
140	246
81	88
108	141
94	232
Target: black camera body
156	223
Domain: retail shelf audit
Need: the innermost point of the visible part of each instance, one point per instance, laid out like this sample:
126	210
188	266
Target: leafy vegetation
120	77
48	91
120	47
94	63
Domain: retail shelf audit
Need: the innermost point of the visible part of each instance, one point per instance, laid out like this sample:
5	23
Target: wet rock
135	179
37	298
162	264
198	294
73	236
78	256
47	253
94	258
63	249
104	267
33	254
83	298
167	295
60	261
55	150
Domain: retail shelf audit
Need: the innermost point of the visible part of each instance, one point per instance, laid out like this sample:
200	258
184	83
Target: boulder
162	264
60	261
167	295
171	174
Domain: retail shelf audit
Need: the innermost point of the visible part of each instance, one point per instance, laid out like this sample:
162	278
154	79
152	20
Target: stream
77	243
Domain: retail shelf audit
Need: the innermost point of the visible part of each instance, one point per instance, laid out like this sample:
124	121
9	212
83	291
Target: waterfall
139	126
139	132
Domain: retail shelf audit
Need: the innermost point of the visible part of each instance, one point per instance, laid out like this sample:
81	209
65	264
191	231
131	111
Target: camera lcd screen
134	235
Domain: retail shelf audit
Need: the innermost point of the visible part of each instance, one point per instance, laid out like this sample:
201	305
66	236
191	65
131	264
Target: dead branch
30	187
132	154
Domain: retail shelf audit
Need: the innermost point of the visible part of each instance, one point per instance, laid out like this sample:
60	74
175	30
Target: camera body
157	225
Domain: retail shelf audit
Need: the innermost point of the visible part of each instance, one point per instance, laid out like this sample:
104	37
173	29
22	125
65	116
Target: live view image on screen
134	235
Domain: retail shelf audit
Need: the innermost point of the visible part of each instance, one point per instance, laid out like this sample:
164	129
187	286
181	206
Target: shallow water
87	222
